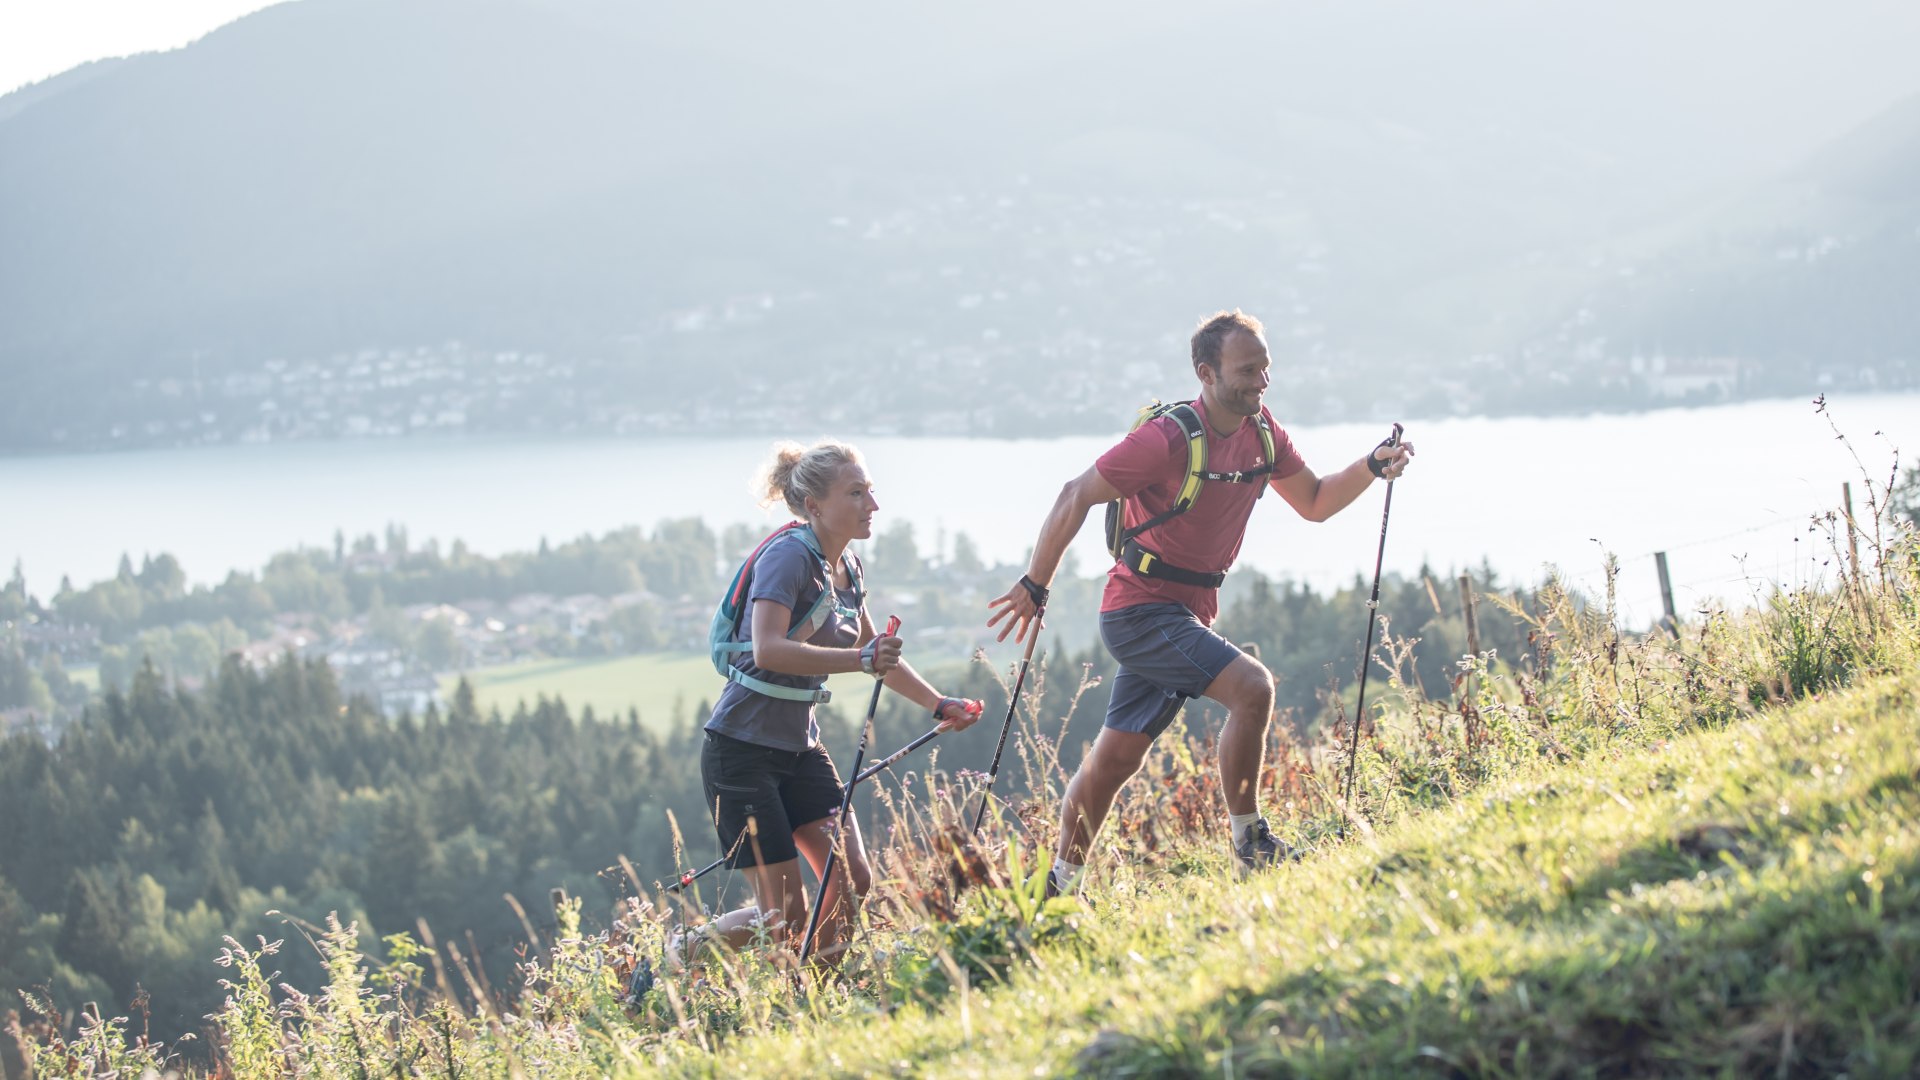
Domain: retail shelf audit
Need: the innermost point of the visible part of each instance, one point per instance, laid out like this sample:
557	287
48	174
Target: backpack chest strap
828	605
1244	476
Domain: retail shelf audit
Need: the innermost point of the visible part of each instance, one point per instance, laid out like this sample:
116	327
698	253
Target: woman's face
847	507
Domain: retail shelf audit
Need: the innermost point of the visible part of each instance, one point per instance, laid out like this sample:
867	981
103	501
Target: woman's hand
880	655
957	714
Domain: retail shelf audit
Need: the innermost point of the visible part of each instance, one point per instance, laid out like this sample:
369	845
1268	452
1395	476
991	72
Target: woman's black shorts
776	790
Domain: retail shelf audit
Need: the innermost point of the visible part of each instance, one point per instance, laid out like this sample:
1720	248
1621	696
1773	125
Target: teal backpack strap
809	624
804	626
856	574
789	693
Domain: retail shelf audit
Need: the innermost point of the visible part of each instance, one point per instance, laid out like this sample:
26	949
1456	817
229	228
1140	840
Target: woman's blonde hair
797	472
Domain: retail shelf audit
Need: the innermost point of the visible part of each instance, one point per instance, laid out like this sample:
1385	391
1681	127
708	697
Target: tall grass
954	920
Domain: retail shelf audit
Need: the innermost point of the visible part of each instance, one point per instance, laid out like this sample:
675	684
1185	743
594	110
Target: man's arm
1318	498
1069	513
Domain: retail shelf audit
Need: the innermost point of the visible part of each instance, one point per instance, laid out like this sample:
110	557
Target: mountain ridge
580	178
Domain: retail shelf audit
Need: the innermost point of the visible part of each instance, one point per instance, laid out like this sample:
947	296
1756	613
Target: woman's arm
773	650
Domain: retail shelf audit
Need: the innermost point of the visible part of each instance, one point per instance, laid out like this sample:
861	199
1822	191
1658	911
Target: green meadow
665	687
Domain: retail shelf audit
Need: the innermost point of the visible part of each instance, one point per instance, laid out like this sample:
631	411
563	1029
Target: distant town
453	388
471	614
1059	330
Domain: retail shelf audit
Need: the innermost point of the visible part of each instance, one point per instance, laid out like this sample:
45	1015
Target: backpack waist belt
1149	564
775	690
762	686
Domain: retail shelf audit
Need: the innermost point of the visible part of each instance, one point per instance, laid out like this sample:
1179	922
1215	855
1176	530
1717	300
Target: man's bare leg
1115	757
1246	689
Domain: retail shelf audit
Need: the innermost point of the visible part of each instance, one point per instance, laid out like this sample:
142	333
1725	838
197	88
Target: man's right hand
1016	606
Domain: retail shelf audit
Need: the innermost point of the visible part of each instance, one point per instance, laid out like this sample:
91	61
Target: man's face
1242	377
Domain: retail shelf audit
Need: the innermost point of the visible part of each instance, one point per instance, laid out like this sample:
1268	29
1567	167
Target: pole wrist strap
1036	592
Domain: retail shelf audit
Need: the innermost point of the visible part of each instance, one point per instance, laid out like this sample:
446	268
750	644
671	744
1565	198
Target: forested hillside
164	821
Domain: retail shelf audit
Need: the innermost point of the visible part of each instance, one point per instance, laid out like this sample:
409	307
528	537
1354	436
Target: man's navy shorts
1166	656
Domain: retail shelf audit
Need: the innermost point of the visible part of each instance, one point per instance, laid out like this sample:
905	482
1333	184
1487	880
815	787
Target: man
1163	593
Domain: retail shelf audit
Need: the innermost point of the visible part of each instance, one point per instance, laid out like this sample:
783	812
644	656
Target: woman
774	793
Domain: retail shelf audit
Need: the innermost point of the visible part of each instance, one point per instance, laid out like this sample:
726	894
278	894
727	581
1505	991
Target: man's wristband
1036	592
1378	465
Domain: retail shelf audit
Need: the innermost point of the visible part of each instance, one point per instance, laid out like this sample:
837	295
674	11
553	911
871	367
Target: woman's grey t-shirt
790	574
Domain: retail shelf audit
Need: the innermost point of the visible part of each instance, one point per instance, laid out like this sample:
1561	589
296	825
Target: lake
1726	491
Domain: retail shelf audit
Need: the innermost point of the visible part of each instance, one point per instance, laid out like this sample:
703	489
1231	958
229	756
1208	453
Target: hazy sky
39	38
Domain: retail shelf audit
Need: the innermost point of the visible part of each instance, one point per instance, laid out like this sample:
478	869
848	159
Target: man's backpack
1121	541
723	633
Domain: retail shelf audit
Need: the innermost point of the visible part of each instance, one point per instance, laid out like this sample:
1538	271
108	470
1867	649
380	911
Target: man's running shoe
1259	849
1078	895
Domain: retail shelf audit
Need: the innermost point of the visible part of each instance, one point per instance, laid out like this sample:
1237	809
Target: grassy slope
663	686
1736	900
87	675
657	684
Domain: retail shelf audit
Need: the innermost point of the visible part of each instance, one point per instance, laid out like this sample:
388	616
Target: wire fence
1818	553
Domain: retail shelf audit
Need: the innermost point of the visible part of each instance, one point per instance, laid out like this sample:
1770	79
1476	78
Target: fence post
1853	536
1473	622
1666	594
1473	626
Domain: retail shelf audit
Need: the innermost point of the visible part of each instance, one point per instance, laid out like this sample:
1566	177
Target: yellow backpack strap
1195	430
1266	444
1188	420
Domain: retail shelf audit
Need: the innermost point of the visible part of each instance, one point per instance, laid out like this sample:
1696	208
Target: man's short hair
1214	332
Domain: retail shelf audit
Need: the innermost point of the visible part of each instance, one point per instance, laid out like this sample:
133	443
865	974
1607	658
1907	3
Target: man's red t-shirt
1148	467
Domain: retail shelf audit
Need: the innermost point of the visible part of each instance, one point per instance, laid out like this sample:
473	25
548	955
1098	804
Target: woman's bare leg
852	875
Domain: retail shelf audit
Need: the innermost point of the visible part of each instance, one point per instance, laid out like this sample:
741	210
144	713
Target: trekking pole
993	771
688	877
1373	613
888	761
846	806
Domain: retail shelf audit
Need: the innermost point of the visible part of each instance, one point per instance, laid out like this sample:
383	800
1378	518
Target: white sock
1240	823
1066	875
